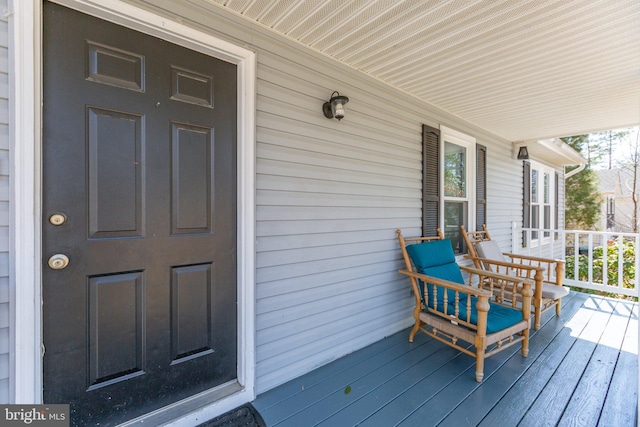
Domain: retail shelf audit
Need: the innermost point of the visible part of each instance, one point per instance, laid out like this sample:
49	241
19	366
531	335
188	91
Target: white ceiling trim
521	69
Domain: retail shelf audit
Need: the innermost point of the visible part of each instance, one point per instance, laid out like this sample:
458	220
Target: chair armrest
558	270
465	289
533	258
463	316
505	264
500	276
500	285
498	280
454	309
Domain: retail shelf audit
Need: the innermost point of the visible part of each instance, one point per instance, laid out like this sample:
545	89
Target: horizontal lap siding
504	192
329	197
4	207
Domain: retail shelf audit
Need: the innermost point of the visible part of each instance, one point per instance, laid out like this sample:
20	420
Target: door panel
139	155
191	179
115	173
115	328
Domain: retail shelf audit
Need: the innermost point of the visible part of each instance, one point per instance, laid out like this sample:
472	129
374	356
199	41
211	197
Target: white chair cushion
554	291
489	249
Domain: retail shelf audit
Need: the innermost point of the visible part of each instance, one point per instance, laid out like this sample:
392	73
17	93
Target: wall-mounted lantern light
335	106
523	153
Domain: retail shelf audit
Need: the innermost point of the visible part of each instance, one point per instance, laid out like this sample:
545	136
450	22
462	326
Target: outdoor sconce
523	153
335	106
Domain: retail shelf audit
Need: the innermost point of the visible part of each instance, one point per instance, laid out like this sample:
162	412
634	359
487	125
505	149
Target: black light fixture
335	106
523	153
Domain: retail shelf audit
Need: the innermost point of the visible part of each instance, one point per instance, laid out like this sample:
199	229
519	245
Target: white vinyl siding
4	206
329	197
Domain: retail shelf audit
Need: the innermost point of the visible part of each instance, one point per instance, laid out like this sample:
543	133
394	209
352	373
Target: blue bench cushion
499	318
436	258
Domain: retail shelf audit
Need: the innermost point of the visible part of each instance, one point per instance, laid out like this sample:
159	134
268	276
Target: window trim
470	143
542	170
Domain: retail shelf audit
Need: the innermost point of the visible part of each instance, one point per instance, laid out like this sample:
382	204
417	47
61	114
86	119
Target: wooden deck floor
582	369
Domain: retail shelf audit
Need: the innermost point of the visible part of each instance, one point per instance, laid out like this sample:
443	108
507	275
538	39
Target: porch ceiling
522	69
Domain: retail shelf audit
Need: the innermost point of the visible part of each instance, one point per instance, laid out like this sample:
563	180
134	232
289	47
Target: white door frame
25	23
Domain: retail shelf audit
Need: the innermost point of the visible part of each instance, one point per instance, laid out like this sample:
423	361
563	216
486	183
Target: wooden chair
452	311
547	273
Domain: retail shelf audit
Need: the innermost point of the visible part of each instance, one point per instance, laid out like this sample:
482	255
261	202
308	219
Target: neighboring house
305	208
616	187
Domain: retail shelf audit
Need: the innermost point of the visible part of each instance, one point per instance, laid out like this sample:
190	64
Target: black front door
139	195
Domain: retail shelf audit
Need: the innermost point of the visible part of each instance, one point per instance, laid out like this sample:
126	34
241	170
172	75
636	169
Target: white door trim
25	19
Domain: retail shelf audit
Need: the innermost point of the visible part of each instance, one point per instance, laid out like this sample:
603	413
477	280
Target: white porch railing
606	261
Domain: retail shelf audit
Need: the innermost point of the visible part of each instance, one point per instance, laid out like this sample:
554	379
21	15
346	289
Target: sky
623	147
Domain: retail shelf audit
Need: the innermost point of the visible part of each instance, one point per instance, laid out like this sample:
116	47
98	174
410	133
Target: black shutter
526	200
556	207
481	186
430	180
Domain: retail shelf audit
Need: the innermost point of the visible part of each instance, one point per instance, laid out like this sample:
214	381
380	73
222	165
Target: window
540	209
458	177
611	212
454	184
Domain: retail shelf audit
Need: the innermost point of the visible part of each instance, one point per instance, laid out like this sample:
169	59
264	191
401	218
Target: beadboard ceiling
522	69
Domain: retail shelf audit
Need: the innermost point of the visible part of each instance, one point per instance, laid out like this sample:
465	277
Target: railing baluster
605	259
576	255
541	237
637	269
620	261
590	256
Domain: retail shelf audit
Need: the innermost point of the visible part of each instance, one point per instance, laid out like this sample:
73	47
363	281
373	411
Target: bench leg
558	307
479	365
414	330
536	317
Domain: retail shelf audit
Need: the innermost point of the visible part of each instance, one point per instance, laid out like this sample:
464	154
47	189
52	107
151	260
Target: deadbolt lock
58	219
58	261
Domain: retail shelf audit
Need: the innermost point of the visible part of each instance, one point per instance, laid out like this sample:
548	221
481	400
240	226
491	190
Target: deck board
358	385
392	389
582	369
512	406
554	398
297	385
624	384
456	395
508	389
312	393
586	403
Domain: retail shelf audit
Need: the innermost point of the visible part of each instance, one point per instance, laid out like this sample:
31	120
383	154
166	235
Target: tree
632	165
602	144
582	198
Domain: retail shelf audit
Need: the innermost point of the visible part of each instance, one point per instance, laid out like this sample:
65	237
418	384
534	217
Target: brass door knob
58	261
58	219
